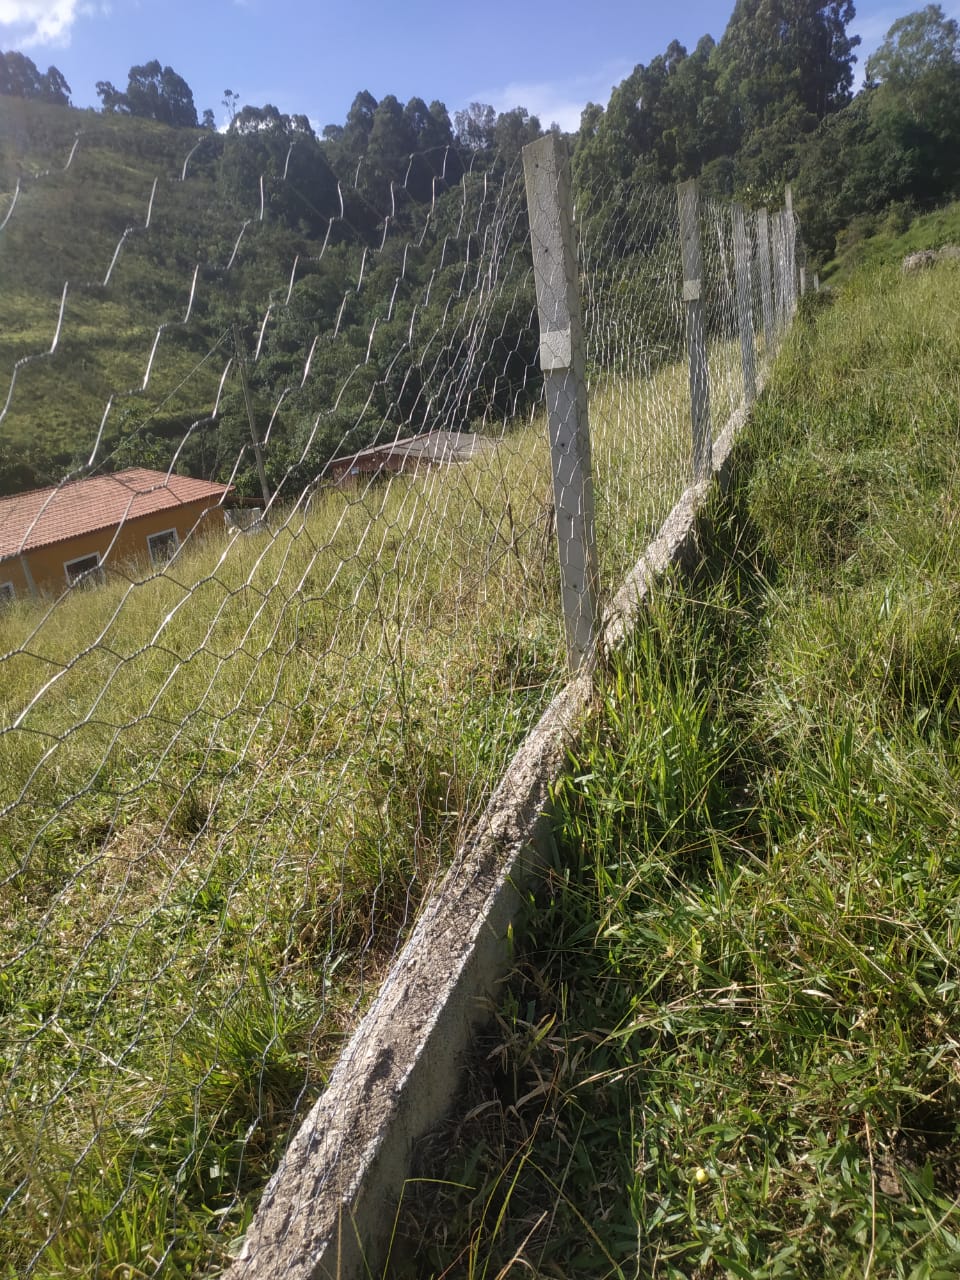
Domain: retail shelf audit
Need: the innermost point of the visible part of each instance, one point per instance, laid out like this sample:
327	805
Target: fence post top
551	147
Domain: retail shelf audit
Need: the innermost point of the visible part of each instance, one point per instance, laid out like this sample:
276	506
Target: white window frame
163	533
86	575
8	592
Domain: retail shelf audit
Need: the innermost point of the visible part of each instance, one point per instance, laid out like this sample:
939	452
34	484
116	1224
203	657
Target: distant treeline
771	102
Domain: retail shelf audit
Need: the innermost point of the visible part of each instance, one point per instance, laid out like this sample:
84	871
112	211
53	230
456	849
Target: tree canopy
898	142
917	68
778	54
153	93
21	78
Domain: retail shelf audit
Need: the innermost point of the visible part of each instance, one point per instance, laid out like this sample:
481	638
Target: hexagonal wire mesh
276	625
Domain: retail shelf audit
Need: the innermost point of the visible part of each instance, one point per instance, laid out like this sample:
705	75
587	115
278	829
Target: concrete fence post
790	253
766	287
688	200
546	171
741	257
779	274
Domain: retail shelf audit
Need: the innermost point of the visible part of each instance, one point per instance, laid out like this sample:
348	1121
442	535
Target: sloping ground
224	797
732	1042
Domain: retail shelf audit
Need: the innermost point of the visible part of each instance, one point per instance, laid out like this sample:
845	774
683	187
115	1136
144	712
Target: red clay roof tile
58	513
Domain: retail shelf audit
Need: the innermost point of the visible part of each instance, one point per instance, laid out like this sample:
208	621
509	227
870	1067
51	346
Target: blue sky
312	56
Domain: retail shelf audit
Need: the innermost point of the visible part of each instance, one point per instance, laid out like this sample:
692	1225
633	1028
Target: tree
435	157
153	93
160	94
21	78
430	125
776	54
356	132
917	69
55	88
269	120
111	98
512	131
695	114
475	126
282	150
915	100
782	66
392	138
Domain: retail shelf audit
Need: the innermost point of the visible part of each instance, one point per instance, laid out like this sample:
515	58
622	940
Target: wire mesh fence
278	622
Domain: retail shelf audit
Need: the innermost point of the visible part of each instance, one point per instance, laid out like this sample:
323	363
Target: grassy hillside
357	297
875	241
224	790
730	1047
227	784
64	231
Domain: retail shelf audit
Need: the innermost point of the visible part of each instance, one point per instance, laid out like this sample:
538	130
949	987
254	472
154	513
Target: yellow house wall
46	564
12	571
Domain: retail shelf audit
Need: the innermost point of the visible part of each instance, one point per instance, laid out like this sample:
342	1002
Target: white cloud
560	100
38	21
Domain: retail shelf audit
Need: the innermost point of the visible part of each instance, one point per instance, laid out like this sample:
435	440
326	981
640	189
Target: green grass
225	790
884	240
730	1044
228	788
65	229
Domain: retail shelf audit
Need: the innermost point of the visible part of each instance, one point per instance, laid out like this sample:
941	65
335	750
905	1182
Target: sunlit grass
729	1046
225	789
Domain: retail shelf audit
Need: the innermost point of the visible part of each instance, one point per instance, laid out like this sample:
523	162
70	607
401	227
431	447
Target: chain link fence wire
242	733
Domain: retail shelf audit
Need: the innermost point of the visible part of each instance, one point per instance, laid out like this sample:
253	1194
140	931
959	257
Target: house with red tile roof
53	537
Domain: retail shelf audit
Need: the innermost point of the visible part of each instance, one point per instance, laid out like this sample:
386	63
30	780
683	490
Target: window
7	593
84	569
162	546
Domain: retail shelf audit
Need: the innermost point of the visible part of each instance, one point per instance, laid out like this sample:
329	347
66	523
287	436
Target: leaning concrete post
766	288
689	202
741	258
546	171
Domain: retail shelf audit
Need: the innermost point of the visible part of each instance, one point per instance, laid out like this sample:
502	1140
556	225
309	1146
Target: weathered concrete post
790	253
741	257
766	287
779	274
689	203
546	171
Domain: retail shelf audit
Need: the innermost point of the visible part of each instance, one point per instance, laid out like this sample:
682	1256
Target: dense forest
773	102
363	245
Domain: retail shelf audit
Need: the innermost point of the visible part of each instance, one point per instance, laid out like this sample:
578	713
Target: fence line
233	759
